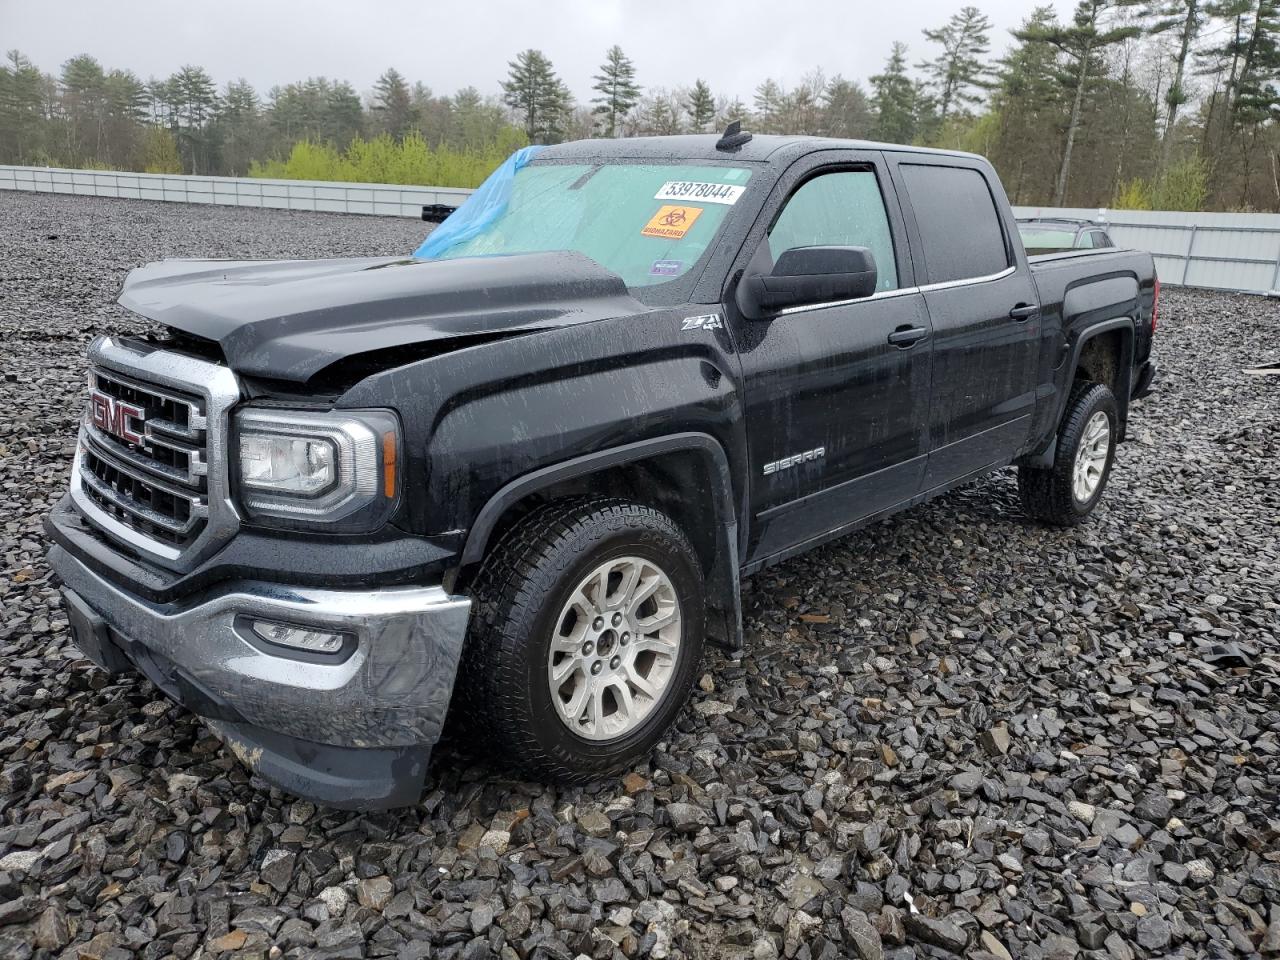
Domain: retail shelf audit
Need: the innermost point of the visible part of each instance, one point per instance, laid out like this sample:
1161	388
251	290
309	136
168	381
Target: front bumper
355	733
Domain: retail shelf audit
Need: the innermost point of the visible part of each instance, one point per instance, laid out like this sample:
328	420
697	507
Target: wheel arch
1117	334
681	474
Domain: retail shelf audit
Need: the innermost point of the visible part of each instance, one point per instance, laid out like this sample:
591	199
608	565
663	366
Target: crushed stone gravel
956	732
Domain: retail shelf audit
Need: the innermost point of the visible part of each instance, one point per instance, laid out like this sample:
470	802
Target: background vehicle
1055	234
543	459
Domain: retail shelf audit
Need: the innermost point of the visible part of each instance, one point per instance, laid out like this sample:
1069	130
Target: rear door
984	312
835	411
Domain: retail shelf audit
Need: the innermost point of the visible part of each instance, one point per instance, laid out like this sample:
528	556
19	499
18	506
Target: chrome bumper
389	695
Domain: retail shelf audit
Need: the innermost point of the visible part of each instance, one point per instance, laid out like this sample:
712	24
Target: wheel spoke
629	581
646	591
572	710
622	696
561	671
659	620
641	683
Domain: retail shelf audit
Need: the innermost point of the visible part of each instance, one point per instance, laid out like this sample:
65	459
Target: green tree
393	104
1185	19
343	113
700	105
84	105
1092	30
846	111
1030	113
894	99
959	71
658	114
538	96
617	89
240	127
22	117
193	104
770	102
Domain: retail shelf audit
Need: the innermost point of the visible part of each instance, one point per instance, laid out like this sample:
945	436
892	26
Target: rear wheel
586	637
1067	492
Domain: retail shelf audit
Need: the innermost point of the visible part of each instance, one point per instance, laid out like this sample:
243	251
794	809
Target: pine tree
1028	108
1184	18
955	73
21	114
240	126
894	99
700	105
393	102
343	117
538	96
770	104
193	103
1083	41
846	111
619	92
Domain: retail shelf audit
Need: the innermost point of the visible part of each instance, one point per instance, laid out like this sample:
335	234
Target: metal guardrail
369	198
1220	251
1217	251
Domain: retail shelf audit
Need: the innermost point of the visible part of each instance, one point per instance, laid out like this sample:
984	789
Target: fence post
1191	242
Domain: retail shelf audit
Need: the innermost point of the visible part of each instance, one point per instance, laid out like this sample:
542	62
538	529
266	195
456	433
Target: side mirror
808	275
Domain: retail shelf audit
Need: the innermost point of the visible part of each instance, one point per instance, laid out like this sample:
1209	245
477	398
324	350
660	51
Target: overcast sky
733	44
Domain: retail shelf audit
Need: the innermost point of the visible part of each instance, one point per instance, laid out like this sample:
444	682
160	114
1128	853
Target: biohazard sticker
701	192
671	222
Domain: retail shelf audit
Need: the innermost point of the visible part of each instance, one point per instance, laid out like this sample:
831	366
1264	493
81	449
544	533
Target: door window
959	225
843	209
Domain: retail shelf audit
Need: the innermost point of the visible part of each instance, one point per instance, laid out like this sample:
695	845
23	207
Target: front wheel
585	640
1067	492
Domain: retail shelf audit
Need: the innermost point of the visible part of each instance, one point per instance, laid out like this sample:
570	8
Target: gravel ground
954	733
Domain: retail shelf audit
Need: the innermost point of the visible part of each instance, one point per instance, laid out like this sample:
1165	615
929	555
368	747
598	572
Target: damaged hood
289	319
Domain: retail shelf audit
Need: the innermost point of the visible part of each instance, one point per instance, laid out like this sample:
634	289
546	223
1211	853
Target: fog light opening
298	637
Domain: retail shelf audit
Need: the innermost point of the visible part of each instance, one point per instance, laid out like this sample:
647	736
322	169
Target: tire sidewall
1098	399
572	561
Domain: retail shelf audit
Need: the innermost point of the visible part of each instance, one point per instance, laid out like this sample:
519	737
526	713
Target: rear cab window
960	227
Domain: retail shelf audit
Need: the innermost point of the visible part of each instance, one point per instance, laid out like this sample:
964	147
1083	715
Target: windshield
648	223
1038	239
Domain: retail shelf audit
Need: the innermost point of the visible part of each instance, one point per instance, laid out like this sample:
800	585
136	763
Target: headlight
337	470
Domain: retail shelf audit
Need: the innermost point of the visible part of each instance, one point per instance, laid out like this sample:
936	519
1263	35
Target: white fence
1221	251
374	198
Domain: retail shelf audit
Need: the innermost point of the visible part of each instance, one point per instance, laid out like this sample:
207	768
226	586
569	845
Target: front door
836	394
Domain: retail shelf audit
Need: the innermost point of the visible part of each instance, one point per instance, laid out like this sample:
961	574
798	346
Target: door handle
1024	310
906	336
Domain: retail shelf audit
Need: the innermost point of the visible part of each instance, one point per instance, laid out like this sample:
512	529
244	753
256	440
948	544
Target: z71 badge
707	321
786	463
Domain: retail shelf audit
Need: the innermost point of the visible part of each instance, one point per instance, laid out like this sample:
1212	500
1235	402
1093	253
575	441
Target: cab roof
761	148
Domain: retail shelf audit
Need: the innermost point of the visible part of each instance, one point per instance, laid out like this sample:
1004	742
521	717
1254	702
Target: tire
527	592
1052	494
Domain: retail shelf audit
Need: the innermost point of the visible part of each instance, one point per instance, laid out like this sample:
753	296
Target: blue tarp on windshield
482	208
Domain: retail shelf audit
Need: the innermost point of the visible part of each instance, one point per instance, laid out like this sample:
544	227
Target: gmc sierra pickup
519	475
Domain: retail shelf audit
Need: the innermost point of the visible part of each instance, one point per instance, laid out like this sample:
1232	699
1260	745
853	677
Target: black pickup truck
520	475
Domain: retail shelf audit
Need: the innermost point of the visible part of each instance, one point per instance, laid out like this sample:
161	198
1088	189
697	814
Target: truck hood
290	319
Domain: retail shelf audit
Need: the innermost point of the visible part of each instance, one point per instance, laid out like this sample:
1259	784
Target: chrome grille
158	485
151	472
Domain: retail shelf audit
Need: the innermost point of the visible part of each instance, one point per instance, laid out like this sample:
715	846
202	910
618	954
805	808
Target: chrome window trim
158	371
902	292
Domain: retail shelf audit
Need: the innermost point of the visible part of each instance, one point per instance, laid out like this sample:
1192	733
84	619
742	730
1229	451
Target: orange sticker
671	222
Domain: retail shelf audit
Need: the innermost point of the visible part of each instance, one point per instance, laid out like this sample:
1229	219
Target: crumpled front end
336	693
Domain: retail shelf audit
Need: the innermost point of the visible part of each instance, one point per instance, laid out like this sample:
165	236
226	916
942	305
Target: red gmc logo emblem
112	416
